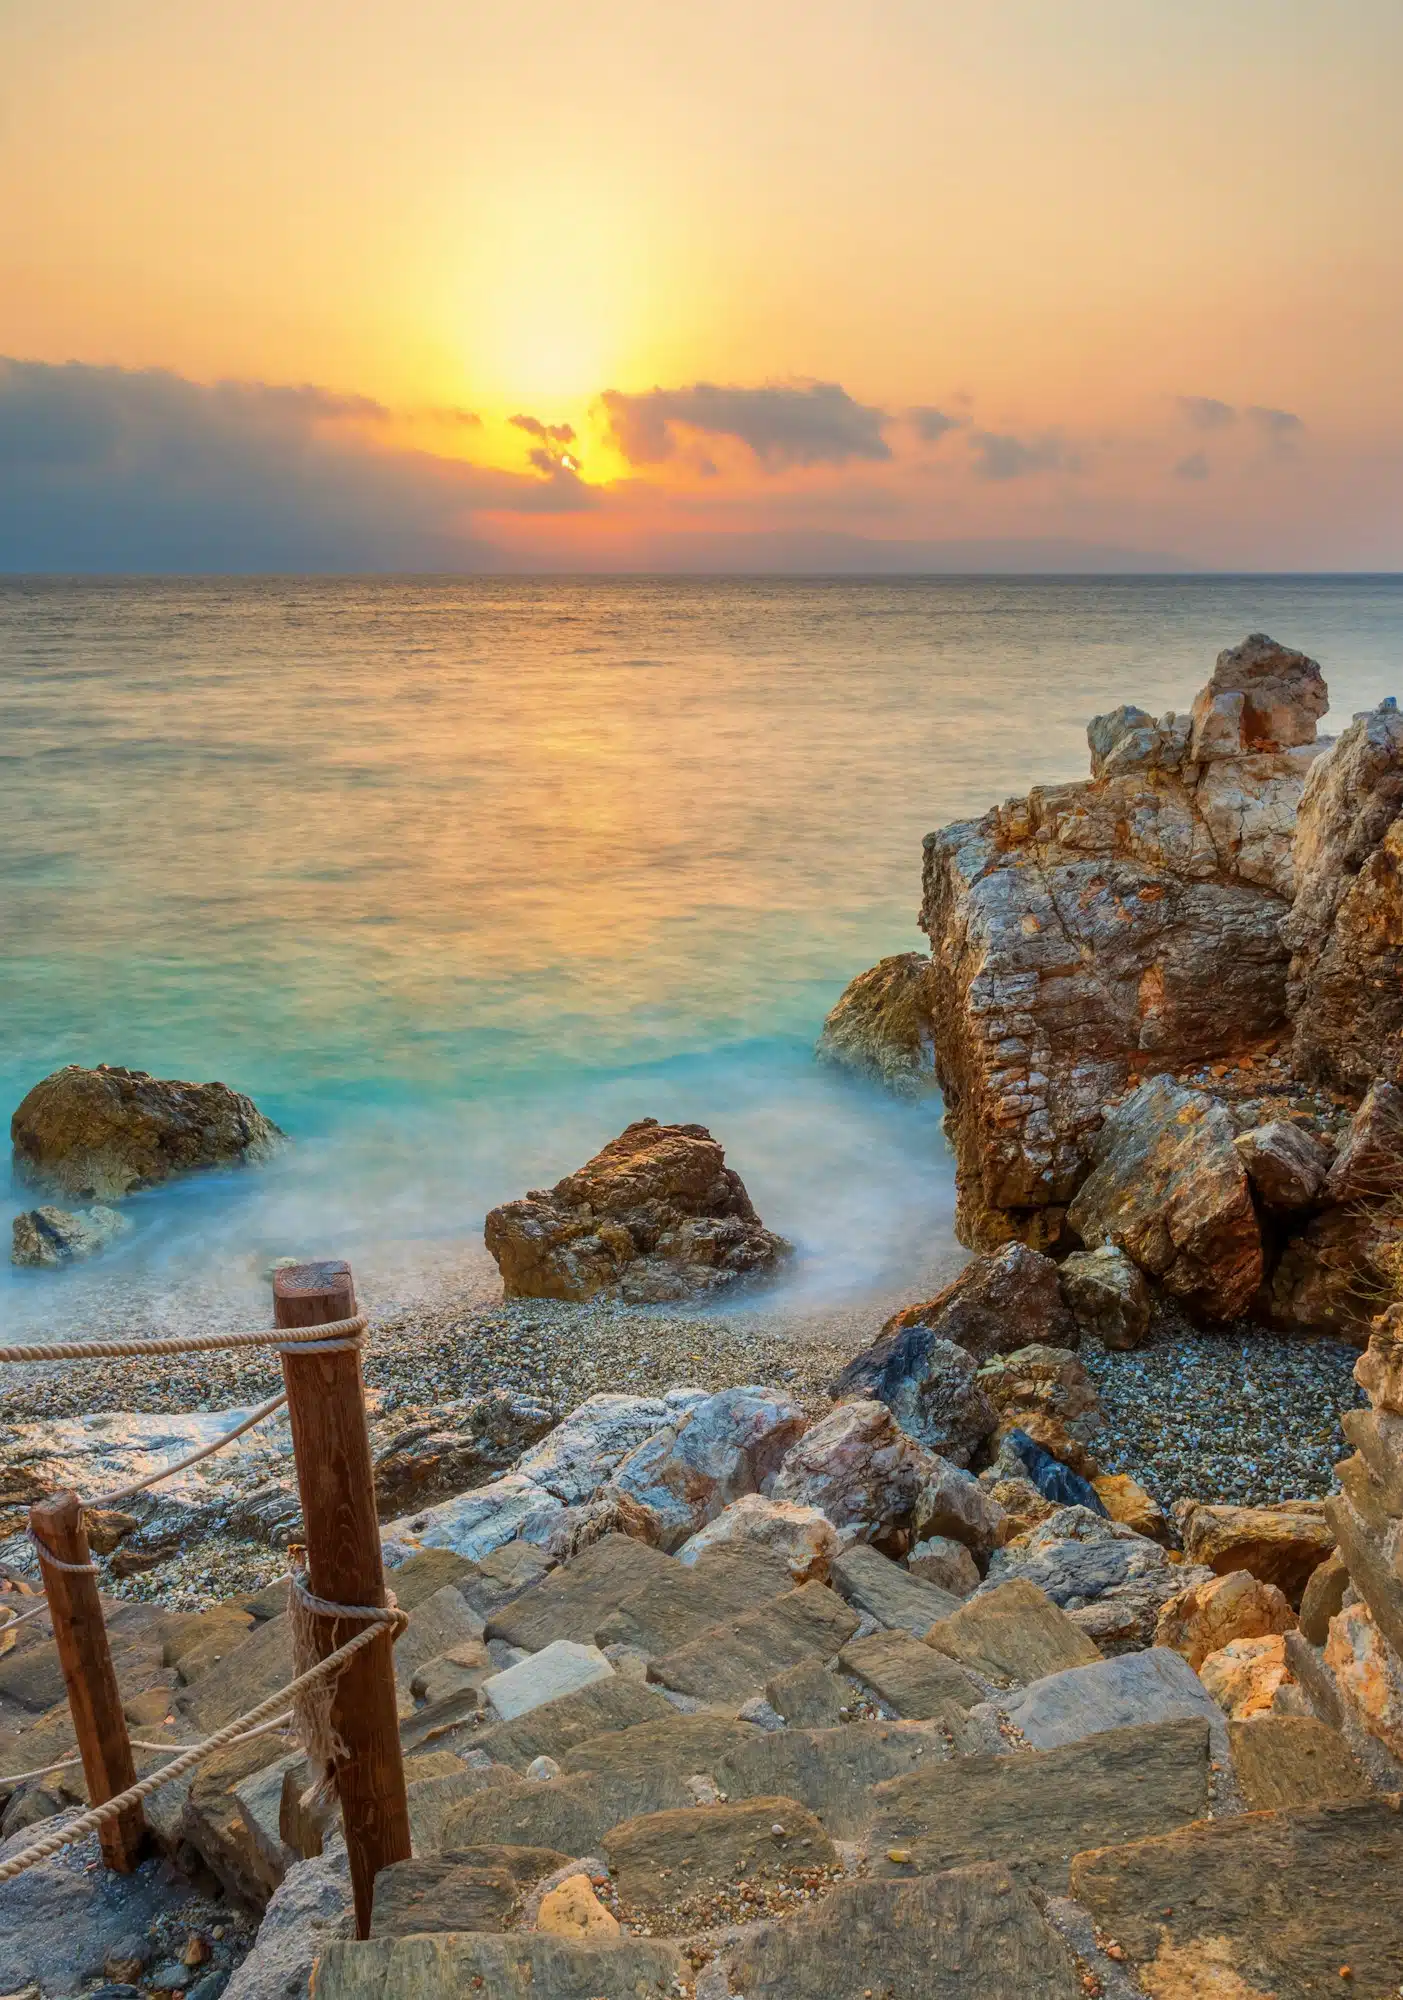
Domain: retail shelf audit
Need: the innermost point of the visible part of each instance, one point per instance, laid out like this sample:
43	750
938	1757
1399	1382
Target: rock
882	1590
930	1387
1323	1598
1283	694
1022	1455
1125	1500
1207	1616
1277	1544
583	1451
681	1744
676	1603
1368	1674
881	1026
680	1859
1332	1276
442	1893
52	1236
731	1444
458	1446
957	1508
1108	1295
476	1523
1379	1370
810	1697
606	1512
310	1909
1167	1187
1031	1436
1345	927
861	1470
1047	1381
557	1727
734	1660
1012	1633
914	1680
997	1304
1019	1501
461	1670
573	1910
1134	1689
494	1579
520	1965
802	1537
1292	1761
831	1771
1244	1675
561	1668
945	1563
656	1215
573	1601
1110	1581
98	1134
1285	1164
1370	1162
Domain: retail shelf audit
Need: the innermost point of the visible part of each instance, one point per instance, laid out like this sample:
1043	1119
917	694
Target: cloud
998	456
1206	413
1281	427
1195	466
124	469
547	433
930	425
551	455
803	424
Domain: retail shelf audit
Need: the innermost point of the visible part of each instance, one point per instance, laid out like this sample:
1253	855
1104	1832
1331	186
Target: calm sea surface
457	877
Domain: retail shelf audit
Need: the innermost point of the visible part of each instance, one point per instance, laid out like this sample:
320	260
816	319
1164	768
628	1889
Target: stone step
682	1745
873	1584
811	1697
1012	1633
675	1603
572	1814
732	1661
442	1895
517	1966
673	1863
919	1683
1288	1760
831	1771
1267	1903
557	1726
572	1601
971	1934
1033	1811
244	1677
439	1620
493	1580
1154	1686
434	1800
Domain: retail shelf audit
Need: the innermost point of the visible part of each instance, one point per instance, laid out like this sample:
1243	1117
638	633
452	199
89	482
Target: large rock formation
656	1215
98	1134
881	1026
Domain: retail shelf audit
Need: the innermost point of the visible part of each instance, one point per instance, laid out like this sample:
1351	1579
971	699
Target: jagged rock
311	1907
1047	1381
457	1446
1127	739
861	1470
929	1386
1280	1545
1125	1500
563	1667
731	1444
1370	1162
656	1215
97	1134
1023	1455
474	1524
1244	1676
51	1236
945	1563
1023	1506
607	1512
881	1026
957	1508
1323	1598
1345	929
1109	1580
1108	1295
1379	1370
1282	697
802	1536
1368	1674
1167	1187
1285	1163
996	1305
1332	1277
1206	1616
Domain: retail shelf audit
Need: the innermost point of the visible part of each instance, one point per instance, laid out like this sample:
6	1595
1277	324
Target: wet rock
1332	1277
945	1563
1285	1163
98	1134
930	1387
656	1215
48	1236
457	1446
881	1026
1207	1616
731	1444
1280	1545
997	1304
1108	1294
1244	1676
1168	1188
1370	1162
802	1536
861	1470
1112	1582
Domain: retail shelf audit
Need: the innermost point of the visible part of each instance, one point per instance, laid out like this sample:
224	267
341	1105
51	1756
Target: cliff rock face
656	1215
1092	931
98	1134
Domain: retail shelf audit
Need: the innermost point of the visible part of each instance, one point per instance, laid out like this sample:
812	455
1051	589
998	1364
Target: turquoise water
455	877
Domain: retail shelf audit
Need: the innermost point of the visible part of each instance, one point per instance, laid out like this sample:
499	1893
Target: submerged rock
881	1026
48	1236
656	1215
98	1134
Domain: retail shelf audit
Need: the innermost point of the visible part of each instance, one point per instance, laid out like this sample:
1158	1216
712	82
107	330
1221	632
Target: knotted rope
334	1335
312	1722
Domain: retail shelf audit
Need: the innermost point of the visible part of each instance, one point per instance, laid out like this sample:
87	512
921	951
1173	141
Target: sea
457	876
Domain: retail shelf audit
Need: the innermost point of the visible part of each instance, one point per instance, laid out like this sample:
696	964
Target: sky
444	285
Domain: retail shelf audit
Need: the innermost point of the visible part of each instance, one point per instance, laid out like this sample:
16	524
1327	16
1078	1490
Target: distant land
802	553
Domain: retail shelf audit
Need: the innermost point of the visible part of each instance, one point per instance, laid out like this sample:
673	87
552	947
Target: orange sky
1053	221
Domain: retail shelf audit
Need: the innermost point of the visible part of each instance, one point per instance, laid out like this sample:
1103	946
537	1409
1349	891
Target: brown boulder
1280	1545
1208	1616
1286	1164
1370	1162
1243	1678
1276	695
881	1026
1335	1276
1109	1296
98	1134
1167	1188
1126	1500
997	1304
656	1215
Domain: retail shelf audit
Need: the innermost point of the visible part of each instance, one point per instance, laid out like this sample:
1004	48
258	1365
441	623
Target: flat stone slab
887	1592
1035	1810
1265	1904
524	1965
670	1860
1015	1633
733	1660
685	1745
1154	1686
574	1600
921	1684
1292	1760
572	1814
810	1697
441	1895
831	1771
744	1566
558	1726
674	1604
563	1667
441	1619
421	1576
247	1675
496	1578
971	1934
432	1800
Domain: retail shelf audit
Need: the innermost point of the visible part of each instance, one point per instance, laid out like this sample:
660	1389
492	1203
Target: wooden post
326	1405
80	1633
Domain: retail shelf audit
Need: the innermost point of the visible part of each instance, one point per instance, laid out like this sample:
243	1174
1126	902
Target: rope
332	1338
46	1555
22	1617
97	1817
205	1451
316	1731
138	1743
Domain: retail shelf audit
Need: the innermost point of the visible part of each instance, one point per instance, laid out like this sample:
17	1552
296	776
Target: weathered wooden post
80	1633
326	1405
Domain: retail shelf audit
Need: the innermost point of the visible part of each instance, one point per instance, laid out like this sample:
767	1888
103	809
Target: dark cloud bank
806	423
